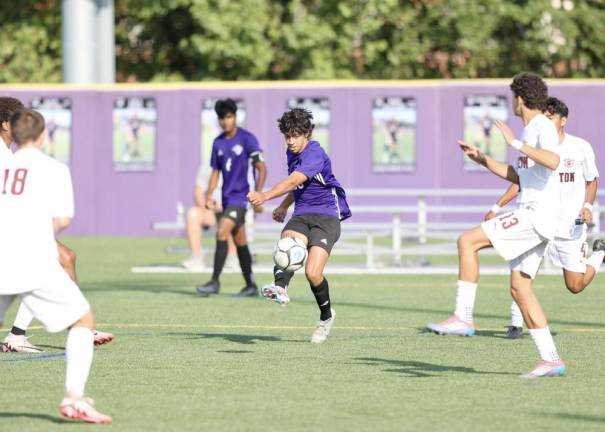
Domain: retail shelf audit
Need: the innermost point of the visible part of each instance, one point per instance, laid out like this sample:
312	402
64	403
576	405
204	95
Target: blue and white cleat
452	326
275	293
546	369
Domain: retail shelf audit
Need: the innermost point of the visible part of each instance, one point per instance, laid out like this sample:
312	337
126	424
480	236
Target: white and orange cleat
453	326
101	338
19	344
546	369
82	408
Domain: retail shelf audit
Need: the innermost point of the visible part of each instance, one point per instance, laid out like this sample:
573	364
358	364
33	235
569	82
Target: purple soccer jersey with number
320	193
231	156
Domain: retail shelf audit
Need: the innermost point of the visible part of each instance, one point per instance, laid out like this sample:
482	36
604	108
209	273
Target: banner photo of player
134	134
57	115
320	107
210	127
480	115
394	134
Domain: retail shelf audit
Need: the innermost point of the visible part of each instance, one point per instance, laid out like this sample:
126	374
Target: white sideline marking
502	270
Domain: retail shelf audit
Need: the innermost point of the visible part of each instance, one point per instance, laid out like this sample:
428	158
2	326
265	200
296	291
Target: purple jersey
321	193
231	156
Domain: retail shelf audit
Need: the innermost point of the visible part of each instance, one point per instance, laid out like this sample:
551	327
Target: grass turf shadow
59	420
418	369
231	337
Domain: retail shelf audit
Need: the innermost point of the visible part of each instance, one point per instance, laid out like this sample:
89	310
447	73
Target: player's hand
506	131
472	152
210	204
586	215
489	215
258	209
256	198
279	214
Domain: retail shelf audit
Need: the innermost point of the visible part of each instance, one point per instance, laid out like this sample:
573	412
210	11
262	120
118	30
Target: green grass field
183	363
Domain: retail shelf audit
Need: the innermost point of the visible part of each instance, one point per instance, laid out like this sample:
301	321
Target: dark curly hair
9	106
556	106
222	107
531	88
297	121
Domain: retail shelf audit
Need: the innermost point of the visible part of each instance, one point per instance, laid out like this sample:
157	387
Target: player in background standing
577	174
519	234
36	202
16	340
232	152
319	207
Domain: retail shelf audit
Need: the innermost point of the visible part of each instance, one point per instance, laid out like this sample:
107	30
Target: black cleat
514	332
210	287
598	245
248	291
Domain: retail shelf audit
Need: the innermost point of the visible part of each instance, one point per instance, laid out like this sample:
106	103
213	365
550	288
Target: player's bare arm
502	170
279	214
591	194
212	184
508	196
542	157
285	186
261	167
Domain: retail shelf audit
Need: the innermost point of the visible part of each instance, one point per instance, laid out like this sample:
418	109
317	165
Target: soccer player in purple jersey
232	152
319	206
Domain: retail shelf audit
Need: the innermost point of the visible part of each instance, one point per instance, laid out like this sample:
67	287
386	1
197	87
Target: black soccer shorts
320	230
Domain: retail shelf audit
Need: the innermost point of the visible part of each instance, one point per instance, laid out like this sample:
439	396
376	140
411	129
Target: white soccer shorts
529	262
57	304
512	234
569	254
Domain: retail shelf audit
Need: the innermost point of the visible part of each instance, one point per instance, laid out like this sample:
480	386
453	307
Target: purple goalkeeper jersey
231	156
320	193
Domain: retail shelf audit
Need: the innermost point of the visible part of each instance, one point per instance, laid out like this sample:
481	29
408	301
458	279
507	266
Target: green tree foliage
169	40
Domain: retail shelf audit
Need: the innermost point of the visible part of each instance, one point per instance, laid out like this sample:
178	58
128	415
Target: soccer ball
290	254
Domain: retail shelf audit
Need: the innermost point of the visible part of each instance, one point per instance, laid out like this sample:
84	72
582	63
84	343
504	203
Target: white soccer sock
78	351
545	344
24	317
595	260
516	319
465	300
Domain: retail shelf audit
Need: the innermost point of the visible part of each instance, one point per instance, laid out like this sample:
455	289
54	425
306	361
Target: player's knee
575	287
464	242
67	258
194	215
314	275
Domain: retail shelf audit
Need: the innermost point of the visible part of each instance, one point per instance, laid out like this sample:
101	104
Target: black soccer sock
282	277
220	255
245	262
17	331
322	297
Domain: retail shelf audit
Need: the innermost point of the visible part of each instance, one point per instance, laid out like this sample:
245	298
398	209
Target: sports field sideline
180	362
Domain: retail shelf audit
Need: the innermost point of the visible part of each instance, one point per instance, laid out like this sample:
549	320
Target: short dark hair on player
531	88
26	125
9	106
297	121
224	107
556	106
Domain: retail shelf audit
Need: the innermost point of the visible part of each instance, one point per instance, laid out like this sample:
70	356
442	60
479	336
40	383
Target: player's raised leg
462	323
316	262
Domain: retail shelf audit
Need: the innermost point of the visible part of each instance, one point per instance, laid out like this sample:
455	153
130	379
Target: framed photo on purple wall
480	115
394	134
134	133
57	115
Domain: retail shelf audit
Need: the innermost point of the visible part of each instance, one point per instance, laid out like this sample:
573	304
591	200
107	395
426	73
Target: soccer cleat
248	291
546	369
452	326
19	344
82	409
210	287
598	245
194	264
322	329
101	338
276	293
514	332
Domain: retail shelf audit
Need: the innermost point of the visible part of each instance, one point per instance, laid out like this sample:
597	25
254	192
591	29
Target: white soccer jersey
34	189
577	166
539	185
5	151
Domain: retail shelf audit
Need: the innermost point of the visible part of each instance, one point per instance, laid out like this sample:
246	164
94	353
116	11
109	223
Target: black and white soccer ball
290	254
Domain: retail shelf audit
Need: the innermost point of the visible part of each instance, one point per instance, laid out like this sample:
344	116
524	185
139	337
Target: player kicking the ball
520	234
319	206
36	202
577	174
